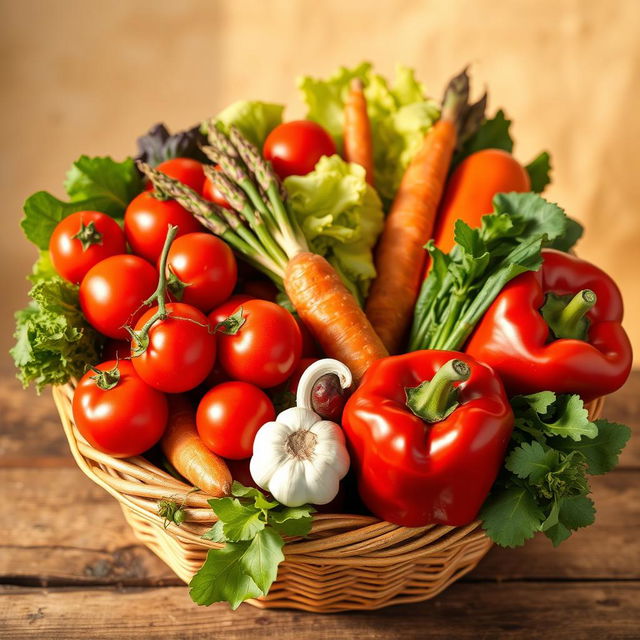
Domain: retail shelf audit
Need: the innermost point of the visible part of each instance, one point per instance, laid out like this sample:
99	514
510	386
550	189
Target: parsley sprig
544	485
252	527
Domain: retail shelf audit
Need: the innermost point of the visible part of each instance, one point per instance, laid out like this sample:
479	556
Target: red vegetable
223	311
204	270
117	412
212	193
265	348
295	147
185	170
229	417
181	350
557	329
428	432
81	240
113	292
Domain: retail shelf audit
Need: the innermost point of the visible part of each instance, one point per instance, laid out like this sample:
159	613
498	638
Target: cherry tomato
116	349
223	311
83	239
181	350
260	289
113	292
207	265
123	421
185	170
265	349
147	220
211	192
229	417
295	147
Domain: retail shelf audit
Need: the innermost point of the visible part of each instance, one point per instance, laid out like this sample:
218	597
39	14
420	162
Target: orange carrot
358	146
331	312
400	254
188	454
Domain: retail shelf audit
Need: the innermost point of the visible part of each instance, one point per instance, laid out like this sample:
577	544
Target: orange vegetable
400	255
187	453
471	188
331	312
358	145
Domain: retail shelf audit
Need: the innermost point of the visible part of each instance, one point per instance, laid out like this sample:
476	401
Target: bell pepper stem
435	399
568	319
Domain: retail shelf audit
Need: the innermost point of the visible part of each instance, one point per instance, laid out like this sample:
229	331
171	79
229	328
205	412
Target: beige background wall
88	76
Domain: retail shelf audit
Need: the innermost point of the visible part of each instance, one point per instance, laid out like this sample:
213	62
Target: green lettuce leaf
341	217
253	118
400	115
53	341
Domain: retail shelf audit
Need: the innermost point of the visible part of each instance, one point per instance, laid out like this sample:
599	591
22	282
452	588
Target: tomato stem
435	399
106	380
88	235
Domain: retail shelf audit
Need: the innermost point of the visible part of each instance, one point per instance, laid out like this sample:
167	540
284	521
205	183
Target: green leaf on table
573	513
112	183
262	558
223	577
532	461
240	522
539	169
511	516
601	451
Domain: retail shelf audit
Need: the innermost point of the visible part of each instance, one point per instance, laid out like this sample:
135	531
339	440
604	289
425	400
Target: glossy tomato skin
185	170
295	147
211	192
266	348
68	256
113	292
147	220
223	311
229	417
181	350
207	265
124	421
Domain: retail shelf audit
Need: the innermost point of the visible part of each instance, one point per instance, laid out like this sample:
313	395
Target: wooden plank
507	611
67	530
30	427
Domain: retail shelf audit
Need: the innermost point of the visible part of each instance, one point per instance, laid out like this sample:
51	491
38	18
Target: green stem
568	320
106	380
434	400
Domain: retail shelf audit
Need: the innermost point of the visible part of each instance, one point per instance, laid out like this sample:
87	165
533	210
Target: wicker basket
347	562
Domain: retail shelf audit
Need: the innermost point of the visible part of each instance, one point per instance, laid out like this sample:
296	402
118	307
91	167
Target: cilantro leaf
511	516
602	450
262	558
240	522
539	169
223	577
573	513
538	402
53	340
113	184
532	461
572	234
571	419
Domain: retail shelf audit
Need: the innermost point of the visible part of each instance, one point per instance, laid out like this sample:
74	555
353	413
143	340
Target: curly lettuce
400	115
341	217
253	118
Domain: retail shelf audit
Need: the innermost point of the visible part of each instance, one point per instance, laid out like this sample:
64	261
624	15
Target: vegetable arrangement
373	297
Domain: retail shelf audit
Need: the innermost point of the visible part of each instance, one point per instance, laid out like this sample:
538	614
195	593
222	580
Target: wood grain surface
71	568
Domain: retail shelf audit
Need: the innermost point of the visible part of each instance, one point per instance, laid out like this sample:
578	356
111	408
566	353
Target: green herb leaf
573	513
216	533
570	420
511	516
492	134
602	450
539	169
539	402
292	521
532	461
223	577
113	183
240	522
262	558
259	499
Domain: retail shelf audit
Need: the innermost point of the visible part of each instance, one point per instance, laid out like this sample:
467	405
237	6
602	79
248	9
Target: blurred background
89	77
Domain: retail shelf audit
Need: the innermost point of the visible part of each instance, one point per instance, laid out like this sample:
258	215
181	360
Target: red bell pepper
427	432
556	329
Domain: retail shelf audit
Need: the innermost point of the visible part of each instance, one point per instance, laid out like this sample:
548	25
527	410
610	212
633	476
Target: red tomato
207	265
116	350
260	289
229	417
185	170
123	421
224	310
181	349
83	239
211	192
113	292
147	220
295	147
266	348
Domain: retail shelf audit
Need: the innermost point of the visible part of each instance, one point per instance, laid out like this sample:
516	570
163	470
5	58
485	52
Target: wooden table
71	568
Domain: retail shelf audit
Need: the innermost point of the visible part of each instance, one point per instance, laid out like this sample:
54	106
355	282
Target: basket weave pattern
347	562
